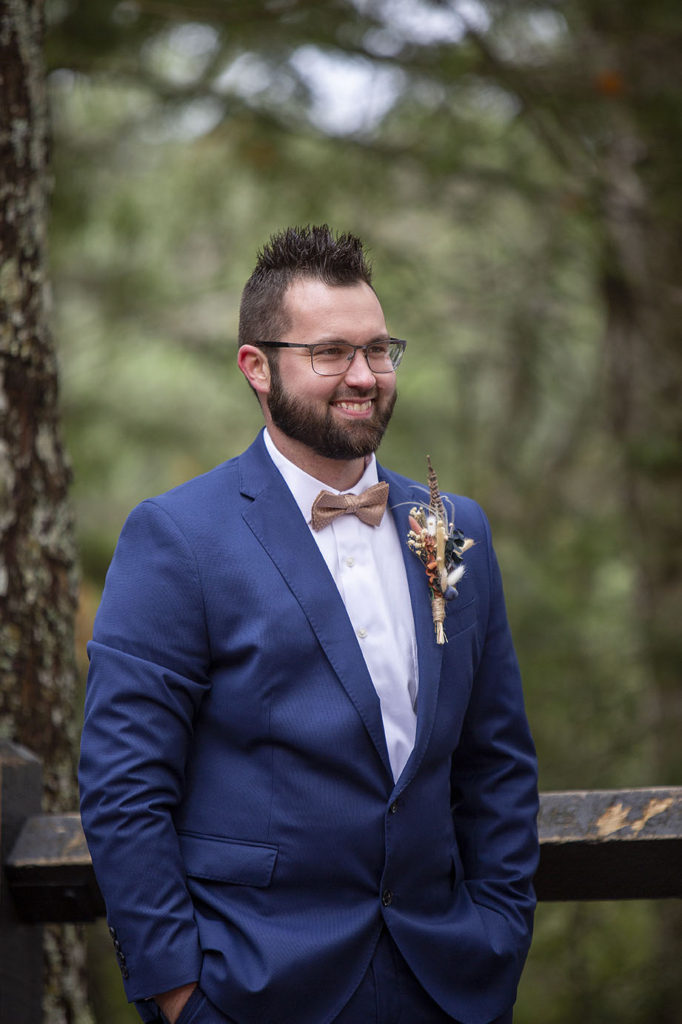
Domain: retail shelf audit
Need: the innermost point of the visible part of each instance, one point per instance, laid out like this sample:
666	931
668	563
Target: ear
254	365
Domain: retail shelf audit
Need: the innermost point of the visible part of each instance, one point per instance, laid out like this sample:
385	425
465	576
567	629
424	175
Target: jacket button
387	897
394	807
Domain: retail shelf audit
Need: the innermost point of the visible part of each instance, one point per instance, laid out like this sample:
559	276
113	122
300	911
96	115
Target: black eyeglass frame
355	348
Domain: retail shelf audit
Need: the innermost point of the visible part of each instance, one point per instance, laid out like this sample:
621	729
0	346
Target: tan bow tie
369	506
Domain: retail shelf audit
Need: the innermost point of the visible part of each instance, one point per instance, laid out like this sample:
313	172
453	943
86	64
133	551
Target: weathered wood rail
594	845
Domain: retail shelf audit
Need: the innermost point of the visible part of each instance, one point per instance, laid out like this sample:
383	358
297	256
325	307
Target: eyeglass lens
382	356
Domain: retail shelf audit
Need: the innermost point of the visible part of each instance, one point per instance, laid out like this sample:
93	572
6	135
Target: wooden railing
594	845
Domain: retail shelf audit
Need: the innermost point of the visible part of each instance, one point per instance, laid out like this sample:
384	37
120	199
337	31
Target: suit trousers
389	993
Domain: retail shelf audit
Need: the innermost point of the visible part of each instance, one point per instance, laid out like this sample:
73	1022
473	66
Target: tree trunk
644	363
38	585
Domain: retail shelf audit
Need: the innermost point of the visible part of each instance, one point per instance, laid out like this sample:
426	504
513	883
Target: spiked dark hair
297	252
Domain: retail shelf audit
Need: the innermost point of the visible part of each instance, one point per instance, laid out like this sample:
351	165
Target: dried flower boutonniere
440	547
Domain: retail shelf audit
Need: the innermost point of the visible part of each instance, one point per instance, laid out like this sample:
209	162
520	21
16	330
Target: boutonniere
440	546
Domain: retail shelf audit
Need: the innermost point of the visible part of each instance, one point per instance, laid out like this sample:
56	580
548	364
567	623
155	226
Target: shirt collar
305	488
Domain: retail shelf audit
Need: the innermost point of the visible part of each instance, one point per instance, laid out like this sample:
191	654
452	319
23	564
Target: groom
302	808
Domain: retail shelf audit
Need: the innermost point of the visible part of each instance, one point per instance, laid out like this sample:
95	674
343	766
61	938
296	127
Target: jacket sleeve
149	662
494	774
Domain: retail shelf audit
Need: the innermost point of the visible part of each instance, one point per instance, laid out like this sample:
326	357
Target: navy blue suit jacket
237	796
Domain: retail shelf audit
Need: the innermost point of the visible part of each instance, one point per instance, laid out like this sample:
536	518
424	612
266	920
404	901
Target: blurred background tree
38	584
514	167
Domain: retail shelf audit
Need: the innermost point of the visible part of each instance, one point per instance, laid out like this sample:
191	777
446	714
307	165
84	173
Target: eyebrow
343	341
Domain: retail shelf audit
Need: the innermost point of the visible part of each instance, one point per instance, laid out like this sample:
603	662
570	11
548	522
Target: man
301	807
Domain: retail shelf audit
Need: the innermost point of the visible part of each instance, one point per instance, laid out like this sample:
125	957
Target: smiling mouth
363	406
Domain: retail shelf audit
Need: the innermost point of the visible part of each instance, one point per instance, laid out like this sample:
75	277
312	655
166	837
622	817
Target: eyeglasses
331	359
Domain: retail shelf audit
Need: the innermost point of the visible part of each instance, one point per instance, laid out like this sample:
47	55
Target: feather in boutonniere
440	547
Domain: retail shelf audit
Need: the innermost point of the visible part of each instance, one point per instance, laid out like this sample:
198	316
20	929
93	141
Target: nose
358	373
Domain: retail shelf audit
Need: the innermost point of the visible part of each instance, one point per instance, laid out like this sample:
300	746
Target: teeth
355	406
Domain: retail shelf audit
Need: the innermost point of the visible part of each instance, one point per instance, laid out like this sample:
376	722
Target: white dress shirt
367	565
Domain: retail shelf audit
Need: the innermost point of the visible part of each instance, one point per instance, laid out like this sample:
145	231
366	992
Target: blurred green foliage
482	161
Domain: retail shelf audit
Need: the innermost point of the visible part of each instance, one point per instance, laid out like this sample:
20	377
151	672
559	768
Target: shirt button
362	632
387	897
350	562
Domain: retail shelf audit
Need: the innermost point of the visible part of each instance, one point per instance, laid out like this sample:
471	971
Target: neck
341	474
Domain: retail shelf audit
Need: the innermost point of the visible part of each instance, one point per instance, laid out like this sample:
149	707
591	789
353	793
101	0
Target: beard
319	431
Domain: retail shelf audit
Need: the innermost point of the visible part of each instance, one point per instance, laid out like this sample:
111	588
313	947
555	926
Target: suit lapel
402	497
276	521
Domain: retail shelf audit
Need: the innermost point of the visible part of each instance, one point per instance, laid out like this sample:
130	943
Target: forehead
317	311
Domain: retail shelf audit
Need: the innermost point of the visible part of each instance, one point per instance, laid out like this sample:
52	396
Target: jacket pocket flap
227	860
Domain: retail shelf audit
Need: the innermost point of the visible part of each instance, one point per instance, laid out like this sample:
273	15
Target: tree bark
643	344
38	583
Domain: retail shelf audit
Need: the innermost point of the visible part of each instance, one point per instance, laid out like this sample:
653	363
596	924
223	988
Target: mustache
345	392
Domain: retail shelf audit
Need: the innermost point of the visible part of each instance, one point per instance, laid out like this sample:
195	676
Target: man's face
340	417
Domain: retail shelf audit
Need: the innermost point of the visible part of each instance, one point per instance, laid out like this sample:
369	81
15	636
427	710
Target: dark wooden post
21	945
